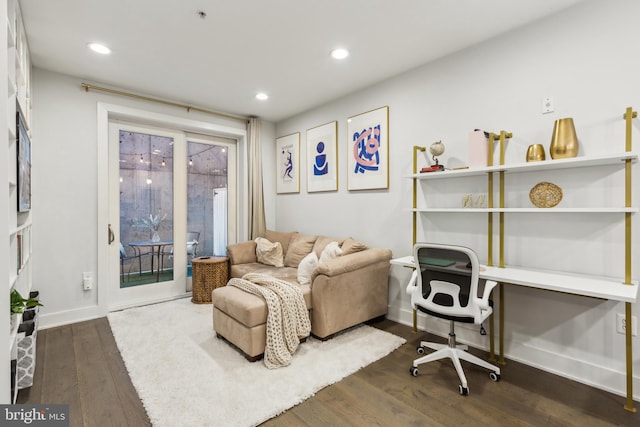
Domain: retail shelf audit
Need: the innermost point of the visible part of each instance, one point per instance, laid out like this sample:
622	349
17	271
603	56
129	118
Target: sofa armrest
242	253
351	262
349	290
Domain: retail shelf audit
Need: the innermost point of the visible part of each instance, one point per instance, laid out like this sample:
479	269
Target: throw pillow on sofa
351	246
331	251
299	247
269	253
306	267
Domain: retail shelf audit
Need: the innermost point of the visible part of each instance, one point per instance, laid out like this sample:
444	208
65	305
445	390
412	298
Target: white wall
579	57
65	189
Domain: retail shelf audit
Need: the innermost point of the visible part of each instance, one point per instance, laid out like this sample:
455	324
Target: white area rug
185	376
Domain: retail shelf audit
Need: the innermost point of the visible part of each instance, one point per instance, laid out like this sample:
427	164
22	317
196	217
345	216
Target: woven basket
209	273
545	195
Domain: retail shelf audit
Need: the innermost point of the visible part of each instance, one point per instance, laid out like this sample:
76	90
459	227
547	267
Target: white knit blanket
287	317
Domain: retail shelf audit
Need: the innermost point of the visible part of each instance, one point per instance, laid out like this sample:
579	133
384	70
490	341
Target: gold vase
535	153
564	142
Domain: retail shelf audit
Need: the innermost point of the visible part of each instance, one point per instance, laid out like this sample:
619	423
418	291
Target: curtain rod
160	101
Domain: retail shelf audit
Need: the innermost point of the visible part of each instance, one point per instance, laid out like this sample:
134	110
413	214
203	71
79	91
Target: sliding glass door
146	214
172	197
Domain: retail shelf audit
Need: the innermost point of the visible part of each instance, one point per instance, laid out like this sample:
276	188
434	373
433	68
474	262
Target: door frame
107	112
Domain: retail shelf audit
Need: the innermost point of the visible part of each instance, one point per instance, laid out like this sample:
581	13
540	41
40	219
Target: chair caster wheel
494	376
413	371
463	390
420	349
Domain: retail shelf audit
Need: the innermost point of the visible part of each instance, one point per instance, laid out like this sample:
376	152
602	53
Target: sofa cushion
351	246
280	236
322	242
331	251
248	309
269	253
306	267
299	247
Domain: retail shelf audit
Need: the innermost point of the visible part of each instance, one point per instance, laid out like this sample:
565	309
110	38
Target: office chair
445	285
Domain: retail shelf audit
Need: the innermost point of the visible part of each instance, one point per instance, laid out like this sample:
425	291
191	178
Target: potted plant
19	304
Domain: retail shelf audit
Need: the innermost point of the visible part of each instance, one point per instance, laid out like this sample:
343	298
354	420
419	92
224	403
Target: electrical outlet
621	325
87	281
547	105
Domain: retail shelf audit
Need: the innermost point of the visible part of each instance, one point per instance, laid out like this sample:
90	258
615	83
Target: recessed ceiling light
339	53
262	96
99	48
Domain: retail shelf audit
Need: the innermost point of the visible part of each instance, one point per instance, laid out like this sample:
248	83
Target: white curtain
257	222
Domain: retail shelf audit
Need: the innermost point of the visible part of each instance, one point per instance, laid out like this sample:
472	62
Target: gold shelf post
492	137
503	142
416	149
628	116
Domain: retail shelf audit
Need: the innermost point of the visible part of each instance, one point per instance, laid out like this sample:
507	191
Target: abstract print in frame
368	150
288	163
322	159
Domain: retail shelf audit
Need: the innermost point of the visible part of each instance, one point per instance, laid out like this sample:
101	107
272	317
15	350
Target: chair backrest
192	242
447	282
123	253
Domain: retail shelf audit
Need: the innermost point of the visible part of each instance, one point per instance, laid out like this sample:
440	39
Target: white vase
155	237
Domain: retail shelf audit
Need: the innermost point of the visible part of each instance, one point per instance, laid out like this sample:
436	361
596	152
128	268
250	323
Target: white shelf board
575	162
528	210
576	284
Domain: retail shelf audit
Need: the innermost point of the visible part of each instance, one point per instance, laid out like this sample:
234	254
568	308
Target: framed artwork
322	158
288	164
368	150
24	166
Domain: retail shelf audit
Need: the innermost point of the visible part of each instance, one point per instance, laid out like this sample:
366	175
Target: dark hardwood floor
80	365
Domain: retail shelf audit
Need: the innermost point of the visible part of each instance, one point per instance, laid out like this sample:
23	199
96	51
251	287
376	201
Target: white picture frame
288	164
368	150
322	158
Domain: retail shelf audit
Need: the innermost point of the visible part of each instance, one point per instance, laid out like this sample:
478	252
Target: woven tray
545	195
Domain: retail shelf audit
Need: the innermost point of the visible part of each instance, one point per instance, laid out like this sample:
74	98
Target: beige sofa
345	291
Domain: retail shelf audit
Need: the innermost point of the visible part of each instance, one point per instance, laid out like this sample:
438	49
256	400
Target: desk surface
577	284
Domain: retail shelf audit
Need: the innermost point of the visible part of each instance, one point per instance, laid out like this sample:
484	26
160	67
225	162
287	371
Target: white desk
576	284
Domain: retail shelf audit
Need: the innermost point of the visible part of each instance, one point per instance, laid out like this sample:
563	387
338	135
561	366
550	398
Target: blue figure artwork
320	167
288	164
365	149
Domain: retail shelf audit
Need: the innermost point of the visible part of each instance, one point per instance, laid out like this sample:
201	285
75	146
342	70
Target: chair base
456	353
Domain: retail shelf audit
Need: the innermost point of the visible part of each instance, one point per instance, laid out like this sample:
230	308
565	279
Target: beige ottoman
240	318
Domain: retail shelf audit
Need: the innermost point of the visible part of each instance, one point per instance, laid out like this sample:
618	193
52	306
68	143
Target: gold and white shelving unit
576	284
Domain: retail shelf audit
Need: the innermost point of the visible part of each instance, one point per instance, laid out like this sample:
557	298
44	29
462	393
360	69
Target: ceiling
164	49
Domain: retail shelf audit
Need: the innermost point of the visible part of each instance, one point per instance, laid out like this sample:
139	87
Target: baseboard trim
52	320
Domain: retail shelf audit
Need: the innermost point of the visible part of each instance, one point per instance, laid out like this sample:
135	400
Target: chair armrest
351	262
242	253
413	281
488	287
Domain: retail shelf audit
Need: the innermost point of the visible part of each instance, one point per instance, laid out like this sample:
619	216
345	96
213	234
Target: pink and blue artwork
368	155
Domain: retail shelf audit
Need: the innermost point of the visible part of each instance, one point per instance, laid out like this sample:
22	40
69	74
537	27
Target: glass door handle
111	236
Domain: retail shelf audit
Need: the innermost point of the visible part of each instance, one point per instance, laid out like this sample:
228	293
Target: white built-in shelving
16	267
